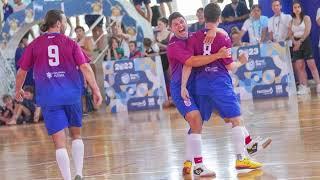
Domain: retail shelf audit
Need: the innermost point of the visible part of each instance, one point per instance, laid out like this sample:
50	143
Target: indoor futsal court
150	145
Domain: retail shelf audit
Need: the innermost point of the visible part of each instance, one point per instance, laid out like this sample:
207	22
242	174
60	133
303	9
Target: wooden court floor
150	145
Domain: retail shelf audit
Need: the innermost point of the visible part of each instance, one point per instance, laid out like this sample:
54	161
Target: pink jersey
55	59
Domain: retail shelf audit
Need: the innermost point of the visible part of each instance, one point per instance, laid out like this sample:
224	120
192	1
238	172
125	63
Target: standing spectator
162	7
256	26
114	52
134	52
86	43
200	24
118	31
301	52
7	9
19	52
278	24
138	5
19	5
236	11
162	39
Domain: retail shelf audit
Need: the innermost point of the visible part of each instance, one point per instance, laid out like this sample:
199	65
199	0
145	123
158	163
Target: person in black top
235	11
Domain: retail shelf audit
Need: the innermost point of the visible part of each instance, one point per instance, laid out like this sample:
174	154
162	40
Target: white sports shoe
203	171
257	145
303	90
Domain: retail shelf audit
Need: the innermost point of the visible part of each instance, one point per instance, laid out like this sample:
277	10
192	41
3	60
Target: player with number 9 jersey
55	59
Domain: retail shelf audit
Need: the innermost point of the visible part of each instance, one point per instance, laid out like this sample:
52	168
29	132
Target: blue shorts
184	107
57	118
226	104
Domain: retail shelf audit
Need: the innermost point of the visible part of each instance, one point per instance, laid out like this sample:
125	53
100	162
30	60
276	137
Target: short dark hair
234	30
51	18
133	42
276	1
212	12
174	16
147	42
255	6
79	27
200	9
29	89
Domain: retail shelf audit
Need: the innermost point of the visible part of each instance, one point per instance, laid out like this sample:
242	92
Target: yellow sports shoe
187	168
246	163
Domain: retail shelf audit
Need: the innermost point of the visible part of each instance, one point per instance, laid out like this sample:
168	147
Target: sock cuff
61	151
195	136
77	142
237	128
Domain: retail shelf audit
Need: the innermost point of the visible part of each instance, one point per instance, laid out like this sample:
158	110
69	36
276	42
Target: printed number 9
53	53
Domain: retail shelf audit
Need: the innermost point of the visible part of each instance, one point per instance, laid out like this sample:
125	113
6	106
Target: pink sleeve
26	61
79	55
179	53
227	43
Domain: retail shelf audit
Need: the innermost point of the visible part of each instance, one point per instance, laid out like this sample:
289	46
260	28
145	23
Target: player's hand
243	58
224	52
19	95
185	93
97	98
211	34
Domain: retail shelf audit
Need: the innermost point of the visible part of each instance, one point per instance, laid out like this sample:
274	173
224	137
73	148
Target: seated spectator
22	45
138	5
134	52
3	116
7	9
16	113
114	52
29	102
235	11
256	25
236	37
150	48
200	24
19	6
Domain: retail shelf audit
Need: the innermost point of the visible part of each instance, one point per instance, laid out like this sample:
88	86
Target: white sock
63	163
188	150
77	155
196	146
238	140
245	131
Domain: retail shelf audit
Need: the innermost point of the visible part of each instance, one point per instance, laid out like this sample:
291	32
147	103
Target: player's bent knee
195	121
59	139
236	121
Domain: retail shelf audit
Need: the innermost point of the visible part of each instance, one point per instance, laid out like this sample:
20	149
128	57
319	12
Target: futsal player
57	62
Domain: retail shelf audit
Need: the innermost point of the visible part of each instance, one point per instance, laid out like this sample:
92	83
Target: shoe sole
207	175
241	168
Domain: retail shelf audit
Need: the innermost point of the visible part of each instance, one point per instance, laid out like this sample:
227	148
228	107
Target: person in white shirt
256	26
301	52
278	24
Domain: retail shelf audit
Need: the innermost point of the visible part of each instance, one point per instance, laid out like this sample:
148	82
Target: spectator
19	6
138	5
236	37
299	32
278	24
134	52
19	52
256	26
162	7
118	31
7	9
29	103
200	24
162	39
150	48
235	11
114	52
16	113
